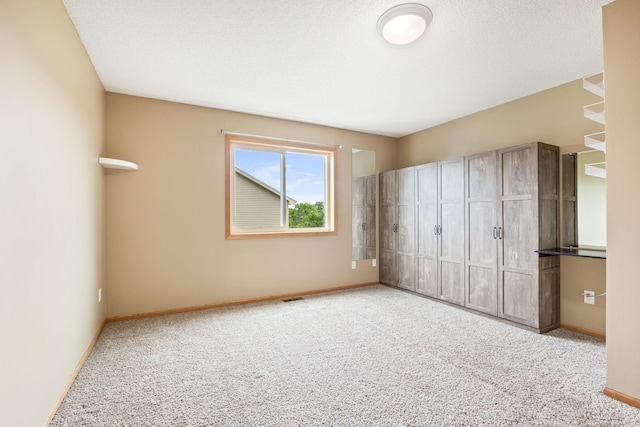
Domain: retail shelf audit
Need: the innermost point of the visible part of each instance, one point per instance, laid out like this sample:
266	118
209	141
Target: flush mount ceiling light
404	23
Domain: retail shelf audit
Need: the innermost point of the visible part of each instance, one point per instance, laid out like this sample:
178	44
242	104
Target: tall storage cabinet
397	228
427	203
432	253
363	220
388	241
528	286
451	230
481	229
357	219
370	227
492	211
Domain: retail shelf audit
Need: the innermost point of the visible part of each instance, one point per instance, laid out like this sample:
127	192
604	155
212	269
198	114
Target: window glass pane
306	189
258	189
277	189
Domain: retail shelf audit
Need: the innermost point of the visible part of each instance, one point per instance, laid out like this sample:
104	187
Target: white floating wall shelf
595	112
598	170
596	141
108	163
594	84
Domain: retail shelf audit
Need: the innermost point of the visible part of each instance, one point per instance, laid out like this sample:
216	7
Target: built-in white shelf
594	84
108	163
596	169
596	141
595	112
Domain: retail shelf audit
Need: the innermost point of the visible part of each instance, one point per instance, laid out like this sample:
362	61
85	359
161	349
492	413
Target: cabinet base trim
584	331
479	313
624	398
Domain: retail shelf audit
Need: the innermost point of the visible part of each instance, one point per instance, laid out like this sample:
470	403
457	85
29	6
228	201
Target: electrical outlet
589	297
353	265
99	294
373	262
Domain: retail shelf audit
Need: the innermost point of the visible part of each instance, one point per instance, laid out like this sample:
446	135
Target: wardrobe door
569	200
388	195
406	228
549	214
518	235
427	226
481	224
451	230
370	217
357	218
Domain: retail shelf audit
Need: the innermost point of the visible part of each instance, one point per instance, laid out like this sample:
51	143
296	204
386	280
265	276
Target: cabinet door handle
439	230
435	230
495	232
500	233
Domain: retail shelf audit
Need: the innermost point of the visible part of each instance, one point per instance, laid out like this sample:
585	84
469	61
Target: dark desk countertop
584	253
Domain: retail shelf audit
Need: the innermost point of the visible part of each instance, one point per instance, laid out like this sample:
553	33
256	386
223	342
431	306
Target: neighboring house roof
290	201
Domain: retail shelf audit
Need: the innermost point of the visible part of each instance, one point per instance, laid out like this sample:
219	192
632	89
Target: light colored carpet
371	356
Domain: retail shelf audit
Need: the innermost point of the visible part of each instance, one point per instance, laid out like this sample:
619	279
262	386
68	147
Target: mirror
363	204
584	200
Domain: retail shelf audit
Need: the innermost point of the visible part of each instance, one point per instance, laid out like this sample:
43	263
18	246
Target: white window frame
277	146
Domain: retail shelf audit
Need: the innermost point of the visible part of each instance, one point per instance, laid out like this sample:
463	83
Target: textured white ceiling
323	62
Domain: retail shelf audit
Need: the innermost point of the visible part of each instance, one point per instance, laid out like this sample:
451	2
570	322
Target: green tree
307	215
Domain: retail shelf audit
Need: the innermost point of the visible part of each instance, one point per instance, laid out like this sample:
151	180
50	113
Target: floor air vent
292	299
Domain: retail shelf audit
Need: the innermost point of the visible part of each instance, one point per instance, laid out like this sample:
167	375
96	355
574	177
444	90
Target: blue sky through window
305	174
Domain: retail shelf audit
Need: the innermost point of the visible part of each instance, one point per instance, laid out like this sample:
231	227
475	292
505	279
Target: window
277	188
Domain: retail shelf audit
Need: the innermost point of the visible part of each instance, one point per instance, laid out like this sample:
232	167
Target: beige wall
166	244
363	163
622	88
51	203
554	116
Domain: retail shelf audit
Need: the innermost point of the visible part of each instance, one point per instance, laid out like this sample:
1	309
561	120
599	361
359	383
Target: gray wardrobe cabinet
440	230
422	229
528	191
427	282
478	222
370	228
481	232
363	211
397	228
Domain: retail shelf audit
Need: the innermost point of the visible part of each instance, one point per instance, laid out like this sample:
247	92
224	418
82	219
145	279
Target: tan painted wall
554	116
166	244
51	204
363	163
622	89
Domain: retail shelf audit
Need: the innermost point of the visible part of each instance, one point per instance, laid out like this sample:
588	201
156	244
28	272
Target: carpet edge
232	303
